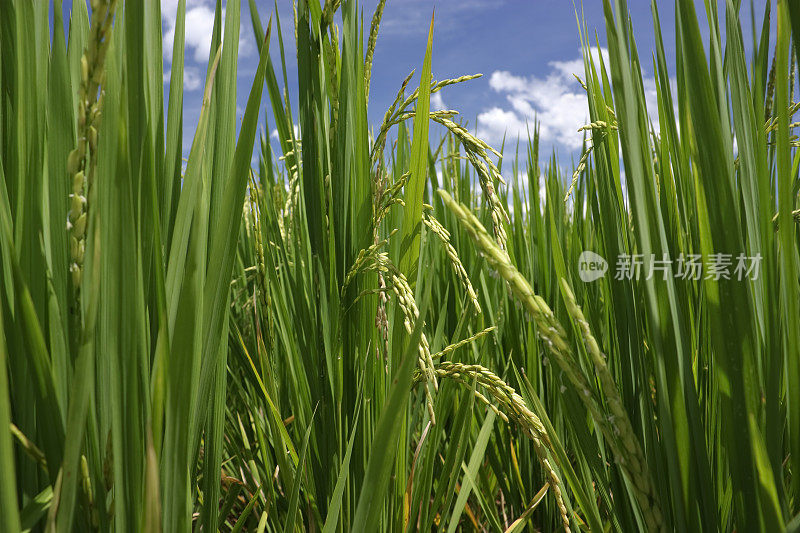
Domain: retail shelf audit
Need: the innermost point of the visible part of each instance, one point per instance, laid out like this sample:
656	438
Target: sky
527	51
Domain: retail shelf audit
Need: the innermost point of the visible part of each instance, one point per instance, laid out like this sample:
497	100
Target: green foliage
350	337
110	319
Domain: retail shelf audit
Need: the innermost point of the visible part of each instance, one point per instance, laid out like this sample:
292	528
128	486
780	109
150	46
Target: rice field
364	326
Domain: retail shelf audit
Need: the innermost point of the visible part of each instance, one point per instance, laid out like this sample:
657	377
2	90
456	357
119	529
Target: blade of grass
415	188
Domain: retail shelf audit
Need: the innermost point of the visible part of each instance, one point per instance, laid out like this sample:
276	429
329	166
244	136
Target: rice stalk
82	160
398	111
513	406
373	38
444	237
456	345
372	259
615	426
603	128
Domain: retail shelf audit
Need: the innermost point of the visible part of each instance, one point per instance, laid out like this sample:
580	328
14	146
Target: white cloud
496	122
556	101
437	104
199	26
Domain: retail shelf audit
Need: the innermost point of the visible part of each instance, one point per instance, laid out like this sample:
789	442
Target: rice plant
370	329
115	284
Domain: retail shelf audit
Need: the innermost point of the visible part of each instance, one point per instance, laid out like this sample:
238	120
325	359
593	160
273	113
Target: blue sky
526	50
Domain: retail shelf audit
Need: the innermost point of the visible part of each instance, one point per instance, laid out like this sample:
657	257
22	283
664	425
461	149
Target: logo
591	266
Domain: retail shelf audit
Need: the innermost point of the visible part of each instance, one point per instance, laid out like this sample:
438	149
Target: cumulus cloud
199	27
556	101
494	123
